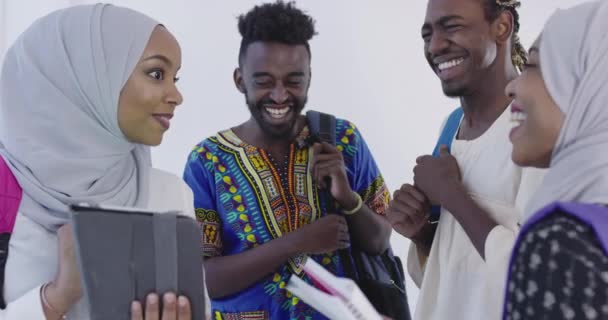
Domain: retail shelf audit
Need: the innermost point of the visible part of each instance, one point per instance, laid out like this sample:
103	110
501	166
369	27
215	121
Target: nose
279	93
174	96
438	44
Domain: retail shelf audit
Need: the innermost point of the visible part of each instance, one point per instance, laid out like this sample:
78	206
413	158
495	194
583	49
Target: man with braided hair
460	261
493	8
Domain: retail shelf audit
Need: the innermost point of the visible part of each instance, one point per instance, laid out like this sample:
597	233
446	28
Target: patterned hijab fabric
574	63
59	89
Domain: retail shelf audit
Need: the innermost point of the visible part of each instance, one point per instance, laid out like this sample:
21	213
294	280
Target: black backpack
381	277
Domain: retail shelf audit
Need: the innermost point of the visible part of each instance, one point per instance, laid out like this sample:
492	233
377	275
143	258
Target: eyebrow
296	74
442	21
160	57
446	19
266	74
261	74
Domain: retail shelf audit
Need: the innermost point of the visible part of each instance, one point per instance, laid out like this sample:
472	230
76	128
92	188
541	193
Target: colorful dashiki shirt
243	199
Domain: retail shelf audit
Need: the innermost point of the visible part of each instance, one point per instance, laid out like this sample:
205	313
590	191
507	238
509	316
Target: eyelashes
159	74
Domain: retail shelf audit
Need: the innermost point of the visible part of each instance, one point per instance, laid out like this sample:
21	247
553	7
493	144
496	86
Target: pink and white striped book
335	297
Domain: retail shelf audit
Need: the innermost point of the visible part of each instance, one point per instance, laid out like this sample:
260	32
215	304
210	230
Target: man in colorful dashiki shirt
256	186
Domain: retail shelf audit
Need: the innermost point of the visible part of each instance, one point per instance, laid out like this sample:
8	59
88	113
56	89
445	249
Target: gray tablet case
125	254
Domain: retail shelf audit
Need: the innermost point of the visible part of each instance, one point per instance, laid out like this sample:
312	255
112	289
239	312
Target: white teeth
449	64
518	117
277	113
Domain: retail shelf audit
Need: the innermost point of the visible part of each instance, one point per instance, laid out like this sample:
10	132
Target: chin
453	91
524	160
518	160
277	132
152	141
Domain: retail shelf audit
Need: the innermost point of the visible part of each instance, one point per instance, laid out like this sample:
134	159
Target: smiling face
274	78
149	98
537	118
459	44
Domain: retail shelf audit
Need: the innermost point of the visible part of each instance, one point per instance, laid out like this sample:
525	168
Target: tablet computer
124	254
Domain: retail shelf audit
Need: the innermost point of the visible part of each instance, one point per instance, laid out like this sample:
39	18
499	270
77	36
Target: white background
368	67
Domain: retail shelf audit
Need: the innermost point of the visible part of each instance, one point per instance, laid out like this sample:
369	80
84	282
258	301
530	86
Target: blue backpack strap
447	136
449	130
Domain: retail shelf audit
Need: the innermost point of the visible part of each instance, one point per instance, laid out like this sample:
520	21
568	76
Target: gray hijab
574	64
59	91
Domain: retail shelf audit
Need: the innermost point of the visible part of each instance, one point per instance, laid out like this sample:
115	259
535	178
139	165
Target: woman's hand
64	291
173	308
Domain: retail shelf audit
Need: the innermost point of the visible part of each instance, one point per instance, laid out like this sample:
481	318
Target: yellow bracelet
356	208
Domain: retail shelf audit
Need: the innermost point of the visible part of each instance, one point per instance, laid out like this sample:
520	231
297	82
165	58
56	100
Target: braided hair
493	8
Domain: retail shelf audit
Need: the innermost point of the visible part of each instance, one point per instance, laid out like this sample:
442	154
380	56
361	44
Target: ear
502	27
238	80
309	78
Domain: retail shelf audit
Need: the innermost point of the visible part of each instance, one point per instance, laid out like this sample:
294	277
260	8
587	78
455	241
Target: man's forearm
369	231
227	275
476	222
424	241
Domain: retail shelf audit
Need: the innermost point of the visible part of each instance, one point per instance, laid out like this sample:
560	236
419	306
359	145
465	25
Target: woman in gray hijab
84	92
559	267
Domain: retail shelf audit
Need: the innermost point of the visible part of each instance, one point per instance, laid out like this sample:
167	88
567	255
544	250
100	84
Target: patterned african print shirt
243	199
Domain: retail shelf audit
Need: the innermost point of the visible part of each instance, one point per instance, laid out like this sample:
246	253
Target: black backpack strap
322	127
4	241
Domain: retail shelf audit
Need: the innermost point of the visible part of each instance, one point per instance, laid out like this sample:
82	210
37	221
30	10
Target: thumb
316	148
444	150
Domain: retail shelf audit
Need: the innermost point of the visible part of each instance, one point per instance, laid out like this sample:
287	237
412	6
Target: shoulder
347	134
205	150
571	235
344	124
158	176
453	119
530	182
169	192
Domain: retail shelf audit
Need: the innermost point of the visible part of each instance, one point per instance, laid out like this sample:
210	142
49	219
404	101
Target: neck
251	132
488	102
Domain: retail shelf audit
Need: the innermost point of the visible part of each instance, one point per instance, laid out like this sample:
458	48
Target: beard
454	91
286	129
